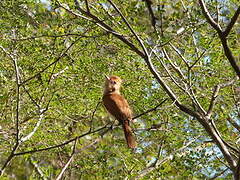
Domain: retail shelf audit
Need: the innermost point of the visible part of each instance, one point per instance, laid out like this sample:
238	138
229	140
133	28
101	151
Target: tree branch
68	162
223	35
62	144
150	10
229	55
209	18
150	110
232	22
130	28
104	26
58	59
215	94
157	164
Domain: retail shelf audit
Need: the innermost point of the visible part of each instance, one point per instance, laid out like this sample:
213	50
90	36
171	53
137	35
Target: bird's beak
107	77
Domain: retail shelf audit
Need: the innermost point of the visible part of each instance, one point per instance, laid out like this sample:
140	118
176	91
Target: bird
118	107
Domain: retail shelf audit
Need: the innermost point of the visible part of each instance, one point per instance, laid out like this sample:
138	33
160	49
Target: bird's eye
114	82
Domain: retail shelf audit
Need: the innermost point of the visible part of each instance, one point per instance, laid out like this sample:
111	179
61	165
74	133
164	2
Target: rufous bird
118	107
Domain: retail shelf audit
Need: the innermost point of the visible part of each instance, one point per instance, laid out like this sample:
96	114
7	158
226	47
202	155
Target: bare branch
233	123
179	54
87	6
157	164
104	26
57	36
215	94
17	76
54	62
9	159
68	162
150	10
213	100
223	35
62	144
209	18
230	56
93	113
27	137
150	110
237	170
175	67
232	22
130	28
39	171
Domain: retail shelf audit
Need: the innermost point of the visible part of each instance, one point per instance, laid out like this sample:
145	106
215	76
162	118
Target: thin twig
93	113
213	100
149	169
68	162
56	36
215	94
62	144
39	171
41	116
179	54
45	68
150	110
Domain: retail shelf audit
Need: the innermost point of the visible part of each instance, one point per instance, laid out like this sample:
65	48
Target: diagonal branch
150	110
54	62
213	100
150	9
223	35
157	164
209	17
229	55
232	22
130	28
103	25
62	144
68	162
215	94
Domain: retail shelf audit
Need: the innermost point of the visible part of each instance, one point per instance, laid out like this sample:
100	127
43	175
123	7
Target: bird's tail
131	142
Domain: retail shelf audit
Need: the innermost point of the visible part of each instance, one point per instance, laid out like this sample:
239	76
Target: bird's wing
117	106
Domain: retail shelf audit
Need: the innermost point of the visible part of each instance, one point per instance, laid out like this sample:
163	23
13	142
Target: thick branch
230	56
153	18
232	22
223	35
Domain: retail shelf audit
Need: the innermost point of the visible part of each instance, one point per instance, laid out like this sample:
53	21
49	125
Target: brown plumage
118	107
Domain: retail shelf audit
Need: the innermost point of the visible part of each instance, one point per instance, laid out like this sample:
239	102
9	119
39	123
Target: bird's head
112	84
